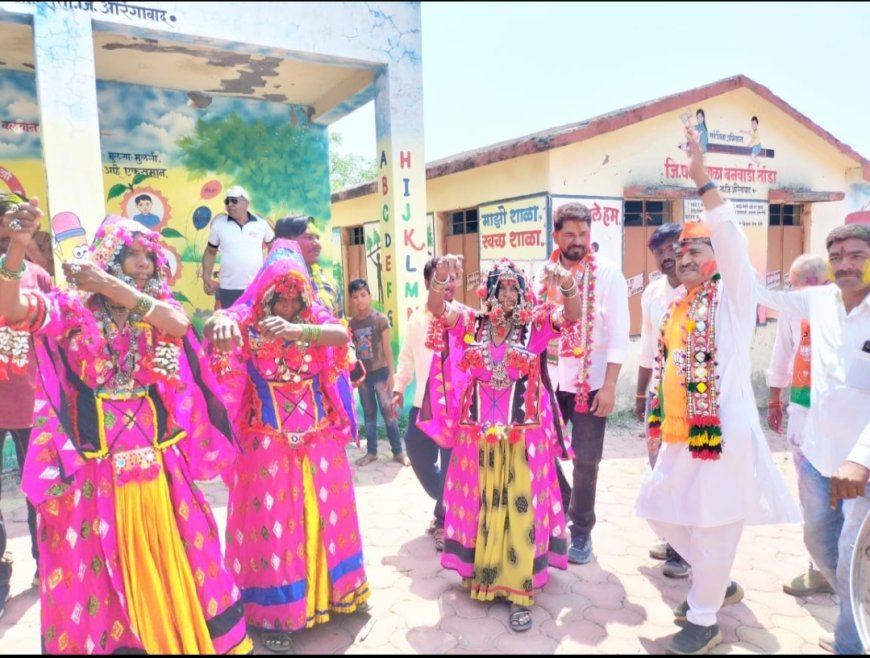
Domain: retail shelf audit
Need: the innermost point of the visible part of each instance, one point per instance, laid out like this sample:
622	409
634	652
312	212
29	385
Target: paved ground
618	604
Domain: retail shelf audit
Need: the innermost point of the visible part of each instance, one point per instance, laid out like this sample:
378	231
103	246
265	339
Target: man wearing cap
241	236
832	480
714	473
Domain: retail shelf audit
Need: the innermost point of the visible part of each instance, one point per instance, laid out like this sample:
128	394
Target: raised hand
223	332
85	275
20	220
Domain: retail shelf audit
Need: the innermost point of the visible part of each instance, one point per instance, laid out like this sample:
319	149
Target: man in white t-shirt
241	237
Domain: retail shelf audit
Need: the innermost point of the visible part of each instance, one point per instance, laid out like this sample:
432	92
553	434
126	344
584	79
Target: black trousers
21	438
587	439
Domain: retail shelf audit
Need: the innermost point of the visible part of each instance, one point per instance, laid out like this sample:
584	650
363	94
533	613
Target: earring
152	287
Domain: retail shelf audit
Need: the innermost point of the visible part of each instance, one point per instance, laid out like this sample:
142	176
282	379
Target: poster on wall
606	224
514	228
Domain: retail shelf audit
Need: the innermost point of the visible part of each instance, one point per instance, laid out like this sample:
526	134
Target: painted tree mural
285	165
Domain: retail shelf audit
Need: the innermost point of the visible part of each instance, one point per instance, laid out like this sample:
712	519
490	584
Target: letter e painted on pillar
404	159
388	263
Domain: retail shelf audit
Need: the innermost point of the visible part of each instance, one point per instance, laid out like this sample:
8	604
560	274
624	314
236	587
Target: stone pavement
618	604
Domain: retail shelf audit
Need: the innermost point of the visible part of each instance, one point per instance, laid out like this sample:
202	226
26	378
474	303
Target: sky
494	72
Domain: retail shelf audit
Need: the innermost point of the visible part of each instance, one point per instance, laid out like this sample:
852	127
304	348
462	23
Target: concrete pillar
66	89
401	190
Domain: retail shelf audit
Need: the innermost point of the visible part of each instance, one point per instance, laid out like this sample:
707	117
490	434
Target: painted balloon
201	217
210	190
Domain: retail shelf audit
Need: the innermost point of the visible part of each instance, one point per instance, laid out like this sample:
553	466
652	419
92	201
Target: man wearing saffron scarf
583	368
714	473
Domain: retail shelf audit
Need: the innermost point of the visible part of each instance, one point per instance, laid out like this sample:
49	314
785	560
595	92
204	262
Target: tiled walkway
619	603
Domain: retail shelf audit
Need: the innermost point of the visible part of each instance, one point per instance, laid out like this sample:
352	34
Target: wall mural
167	156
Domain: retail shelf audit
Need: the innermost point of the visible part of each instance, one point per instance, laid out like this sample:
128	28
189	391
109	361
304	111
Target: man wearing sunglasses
241	237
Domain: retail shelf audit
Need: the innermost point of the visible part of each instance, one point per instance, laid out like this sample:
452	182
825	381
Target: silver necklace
499	379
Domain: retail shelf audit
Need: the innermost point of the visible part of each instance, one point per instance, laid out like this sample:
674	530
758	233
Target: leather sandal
521	618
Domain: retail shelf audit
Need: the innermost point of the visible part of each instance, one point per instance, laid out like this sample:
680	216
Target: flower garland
576	339
702	391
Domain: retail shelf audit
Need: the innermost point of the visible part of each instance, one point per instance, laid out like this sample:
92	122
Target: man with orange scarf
714	473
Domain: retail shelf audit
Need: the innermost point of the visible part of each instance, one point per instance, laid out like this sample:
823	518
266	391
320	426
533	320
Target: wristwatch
706	187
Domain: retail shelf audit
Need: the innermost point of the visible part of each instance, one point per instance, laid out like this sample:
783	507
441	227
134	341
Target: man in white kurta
700	506
836	434
790	368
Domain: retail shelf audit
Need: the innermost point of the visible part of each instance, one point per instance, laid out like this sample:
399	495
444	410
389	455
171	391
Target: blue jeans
829	535
373	394
424	454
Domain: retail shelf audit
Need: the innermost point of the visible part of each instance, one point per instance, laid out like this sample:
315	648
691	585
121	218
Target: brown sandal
438	534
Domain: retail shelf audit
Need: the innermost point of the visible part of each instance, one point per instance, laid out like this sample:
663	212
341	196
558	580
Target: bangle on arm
570	291
8	275
144	305
309	333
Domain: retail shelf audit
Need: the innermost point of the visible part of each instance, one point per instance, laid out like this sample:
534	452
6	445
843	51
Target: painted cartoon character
69	236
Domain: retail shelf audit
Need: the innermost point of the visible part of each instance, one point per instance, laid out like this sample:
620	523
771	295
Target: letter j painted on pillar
406	216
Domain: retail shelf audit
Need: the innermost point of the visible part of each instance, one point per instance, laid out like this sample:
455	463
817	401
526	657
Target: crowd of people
131	409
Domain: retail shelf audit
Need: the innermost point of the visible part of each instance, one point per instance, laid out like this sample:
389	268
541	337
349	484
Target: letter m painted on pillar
412	289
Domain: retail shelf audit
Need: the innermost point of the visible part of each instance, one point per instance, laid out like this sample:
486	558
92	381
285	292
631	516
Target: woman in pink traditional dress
129	555
489	399
293	537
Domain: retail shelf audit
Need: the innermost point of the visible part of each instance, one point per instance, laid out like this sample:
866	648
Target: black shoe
675	566
695	640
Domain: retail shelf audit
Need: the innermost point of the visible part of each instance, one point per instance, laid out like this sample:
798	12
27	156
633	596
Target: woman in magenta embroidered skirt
293	536
489	399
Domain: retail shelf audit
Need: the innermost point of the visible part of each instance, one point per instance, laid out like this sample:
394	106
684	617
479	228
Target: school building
790	180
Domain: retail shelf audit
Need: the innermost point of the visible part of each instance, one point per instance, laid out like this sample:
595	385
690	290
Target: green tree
348	170
285	161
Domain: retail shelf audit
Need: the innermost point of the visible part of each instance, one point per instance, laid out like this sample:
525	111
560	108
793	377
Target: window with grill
785	214
463	222
647	212
357	235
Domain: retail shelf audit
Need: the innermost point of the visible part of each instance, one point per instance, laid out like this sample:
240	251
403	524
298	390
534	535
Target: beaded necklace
702	391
